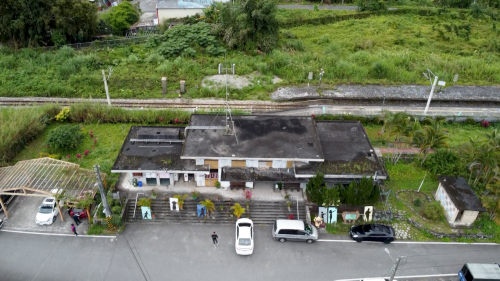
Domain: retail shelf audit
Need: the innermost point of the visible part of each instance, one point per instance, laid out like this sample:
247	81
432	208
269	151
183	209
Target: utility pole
394	268
104	200
106	83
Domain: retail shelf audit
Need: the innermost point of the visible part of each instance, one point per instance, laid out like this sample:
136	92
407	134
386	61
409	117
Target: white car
47	213
244	237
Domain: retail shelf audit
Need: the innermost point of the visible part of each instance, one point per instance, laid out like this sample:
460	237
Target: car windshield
244	242
307	228
45	209
367	228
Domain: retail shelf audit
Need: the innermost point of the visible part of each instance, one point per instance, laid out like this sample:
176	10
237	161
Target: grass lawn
109	137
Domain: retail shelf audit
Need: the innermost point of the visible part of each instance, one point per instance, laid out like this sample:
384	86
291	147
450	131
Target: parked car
372	232
82	214
244	237
6	199
294	230
47	213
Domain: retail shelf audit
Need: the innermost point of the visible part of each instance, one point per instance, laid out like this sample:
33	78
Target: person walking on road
214	239
73	228
76	218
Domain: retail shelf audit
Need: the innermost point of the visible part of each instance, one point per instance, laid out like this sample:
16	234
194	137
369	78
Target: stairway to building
260	212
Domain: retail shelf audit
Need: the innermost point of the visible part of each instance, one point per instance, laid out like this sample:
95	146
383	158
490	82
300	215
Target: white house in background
460	203
168	9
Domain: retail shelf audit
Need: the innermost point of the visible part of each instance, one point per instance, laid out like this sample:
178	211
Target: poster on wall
332	214
146	213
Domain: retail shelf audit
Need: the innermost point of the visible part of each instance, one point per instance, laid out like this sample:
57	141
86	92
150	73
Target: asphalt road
185	252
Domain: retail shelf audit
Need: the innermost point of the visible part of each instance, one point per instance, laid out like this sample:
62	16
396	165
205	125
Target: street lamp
428	76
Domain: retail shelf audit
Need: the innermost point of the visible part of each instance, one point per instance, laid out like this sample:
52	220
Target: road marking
58	234
410	242
395	277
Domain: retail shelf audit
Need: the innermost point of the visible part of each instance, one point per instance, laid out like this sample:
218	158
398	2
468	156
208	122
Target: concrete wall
164	14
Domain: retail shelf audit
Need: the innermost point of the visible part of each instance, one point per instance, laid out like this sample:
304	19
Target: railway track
251	106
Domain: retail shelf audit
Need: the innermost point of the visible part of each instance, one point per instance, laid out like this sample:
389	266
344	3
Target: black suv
372	232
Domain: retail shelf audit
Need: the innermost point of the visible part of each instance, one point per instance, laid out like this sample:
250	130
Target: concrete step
261	212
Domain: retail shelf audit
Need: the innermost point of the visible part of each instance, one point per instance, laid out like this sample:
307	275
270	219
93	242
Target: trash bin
139	183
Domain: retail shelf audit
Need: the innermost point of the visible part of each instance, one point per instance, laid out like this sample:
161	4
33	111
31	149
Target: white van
294	230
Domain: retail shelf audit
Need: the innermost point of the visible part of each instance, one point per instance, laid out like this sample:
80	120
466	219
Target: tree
238	210
248	24
315	189
46	22
398	126
331	196
209	206
85	203
433	136
491	201
121	17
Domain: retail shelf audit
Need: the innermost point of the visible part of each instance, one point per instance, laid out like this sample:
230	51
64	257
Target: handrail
135	205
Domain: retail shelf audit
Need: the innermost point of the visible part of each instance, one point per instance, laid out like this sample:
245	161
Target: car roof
292	224
245	232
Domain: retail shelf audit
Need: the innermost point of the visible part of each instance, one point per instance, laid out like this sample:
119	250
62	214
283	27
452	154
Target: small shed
460	203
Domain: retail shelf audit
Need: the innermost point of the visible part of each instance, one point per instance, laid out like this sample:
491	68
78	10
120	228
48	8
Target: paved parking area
22	212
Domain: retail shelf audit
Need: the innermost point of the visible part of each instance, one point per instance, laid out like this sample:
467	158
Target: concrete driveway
22	212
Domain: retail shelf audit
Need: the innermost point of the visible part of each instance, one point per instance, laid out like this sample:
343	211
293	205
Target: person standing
73	228
76	218
214	239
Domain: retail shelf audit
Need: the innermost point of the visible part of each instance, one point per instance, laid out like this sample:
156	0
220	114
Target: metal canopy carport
45	177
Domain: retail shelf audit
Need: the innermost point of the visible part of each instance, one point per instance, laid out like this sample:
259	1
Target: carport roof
43	175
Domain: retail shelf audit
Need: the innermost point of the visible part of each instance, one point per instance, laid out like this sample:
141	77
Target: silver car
294	230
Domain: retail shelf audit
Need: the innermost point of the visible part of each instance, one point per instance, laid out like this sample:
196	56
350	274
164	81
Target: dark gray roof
461	194
184	4
347	151
255	137
154	156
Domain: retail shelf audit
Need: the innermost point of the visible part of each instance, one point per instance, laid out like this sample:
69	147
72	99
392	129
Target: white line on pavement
409	277
58	234
411	242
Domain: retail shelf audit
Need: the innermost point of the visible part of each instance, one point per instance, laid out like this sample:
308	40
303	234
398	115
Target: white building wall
279	164
469	217
164	14
450	210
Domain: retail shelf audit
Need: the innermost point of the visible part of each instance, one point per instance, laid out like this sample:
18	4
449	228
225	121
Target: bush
95	229
116	220
417	202
184	40
116	210
121	17
443	162
433	211
371	5
64	138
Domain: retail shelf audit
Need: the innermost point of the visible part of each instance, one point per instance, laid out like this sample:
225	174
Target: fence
101	44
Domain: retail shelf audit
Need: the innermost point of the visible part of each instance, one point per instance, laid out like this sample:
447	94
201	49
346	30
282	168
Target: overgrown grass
385	49
18	126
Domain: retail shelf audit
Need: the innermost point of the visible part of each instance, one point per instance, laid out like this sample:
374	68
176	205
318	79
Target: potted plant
209	206
247	194
154	193
287	196
248	205
195	194
217	184
238	210
180	201
221	208
288	205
